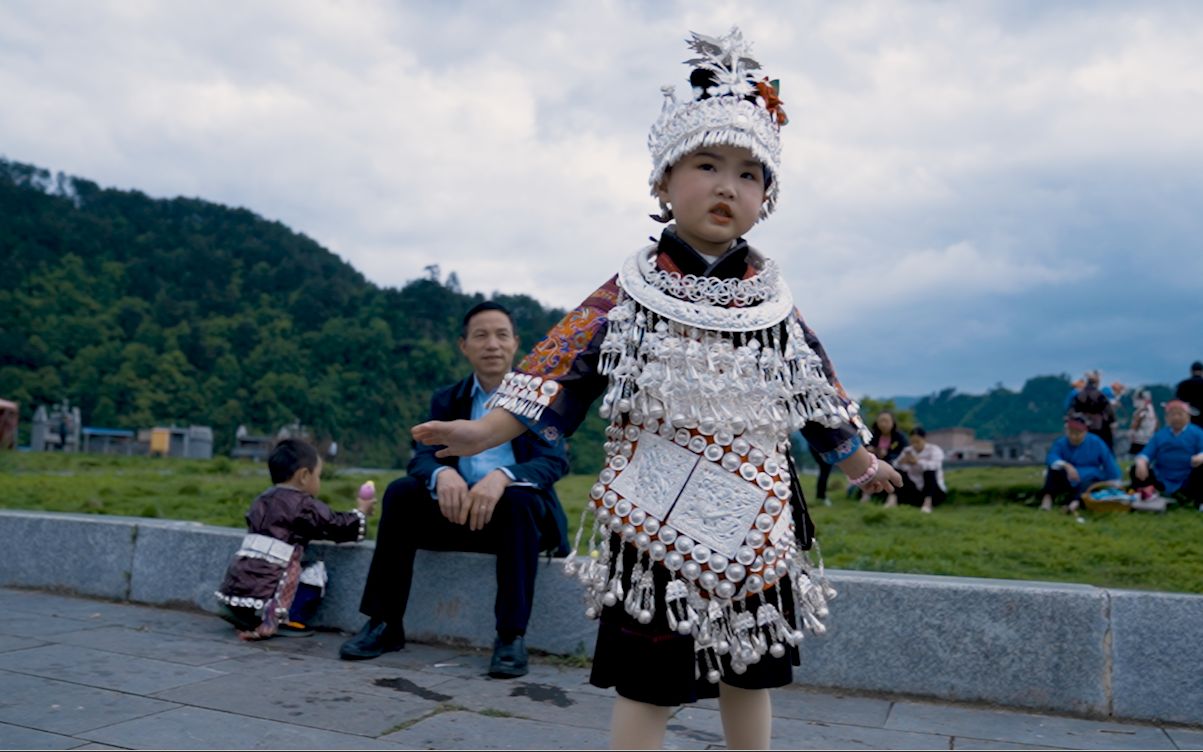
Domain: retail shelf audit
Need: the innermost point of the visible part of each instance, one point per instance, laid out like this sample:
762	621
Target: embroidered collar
733	263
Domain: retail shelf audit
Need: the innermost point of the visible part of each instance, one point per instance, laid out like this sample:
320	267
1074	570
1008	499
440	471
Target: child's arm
317	521
883	477
462	438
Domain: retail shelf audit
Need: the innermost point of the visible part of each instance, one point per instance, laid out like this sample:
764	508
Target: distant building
247	446
56	429
1028	446
193	442
961	444
110	441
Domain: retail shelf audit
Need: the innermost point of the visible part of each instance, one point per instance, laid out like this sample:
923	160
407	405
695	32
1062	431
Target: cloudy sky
973	192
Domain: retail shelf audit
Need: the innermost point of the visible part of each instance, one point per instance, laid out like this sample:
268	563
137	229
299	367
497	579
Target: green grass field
990	526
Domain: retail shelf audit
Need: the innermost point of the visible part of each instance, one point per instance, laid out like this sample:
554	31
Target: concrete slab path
77	673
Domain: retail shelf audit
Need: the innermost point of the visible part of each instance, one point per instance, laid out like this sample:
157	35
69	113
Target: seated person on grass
267	590
922	467
1172	461
886	444
1076	461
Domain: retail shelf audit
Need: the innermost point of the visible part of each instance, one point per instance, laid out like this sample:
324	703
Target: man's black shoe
372	641
509	658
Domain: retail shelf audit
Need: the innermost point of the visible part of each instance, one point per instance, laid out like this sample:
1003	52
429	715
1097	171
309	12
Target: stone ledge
1068	648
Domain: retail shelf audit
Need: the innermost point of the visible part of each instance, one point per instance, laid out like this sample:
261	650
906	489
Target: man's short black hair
289	456
487	305
1196	366
918	431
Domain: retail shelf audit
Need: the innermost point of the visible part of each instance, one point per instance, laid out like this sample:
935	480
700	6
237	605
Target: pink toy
368	490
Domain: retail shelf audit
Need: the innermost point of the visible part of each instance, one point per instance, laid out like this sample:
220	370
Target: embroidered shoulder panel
553	356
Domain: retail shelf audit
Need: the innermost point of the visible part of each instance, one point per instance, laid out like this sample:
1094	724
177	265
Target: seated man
1172	461
500	501
922	466
1075	462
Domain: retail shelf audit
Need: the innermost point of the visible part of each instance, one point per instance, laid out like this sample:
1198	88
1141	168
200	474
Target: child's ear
662	189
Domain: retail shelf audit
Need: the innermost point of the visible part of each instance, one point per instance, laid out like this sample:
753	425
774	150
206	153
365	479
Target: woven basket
1108	504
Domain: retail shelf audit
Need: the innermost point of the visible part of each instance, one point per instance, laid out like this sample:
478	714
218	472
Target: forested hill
147	311
1038	407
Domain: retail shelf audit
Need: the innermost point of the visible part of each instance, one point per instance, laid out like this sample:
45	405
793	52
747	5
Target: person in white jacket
922	467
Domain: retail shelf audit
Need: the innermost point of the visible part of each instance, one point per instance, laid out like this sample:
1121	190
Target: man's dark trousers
411	519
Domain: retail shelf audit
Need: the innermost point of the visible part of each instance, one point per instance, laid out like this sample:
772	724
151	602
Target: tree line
147	311
154	311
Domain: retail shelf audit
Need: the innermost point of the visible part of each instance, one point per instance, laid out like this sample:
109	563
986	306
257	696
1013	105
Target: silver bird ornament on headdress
728	106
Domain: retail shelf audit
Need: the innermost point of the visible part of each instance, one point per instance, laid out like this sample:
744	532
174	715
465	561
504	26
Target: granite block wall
1067	648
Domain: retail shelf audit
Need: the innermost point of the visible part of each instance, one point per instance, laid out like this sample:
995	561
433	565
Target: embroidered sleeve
554	385
320	522
842	451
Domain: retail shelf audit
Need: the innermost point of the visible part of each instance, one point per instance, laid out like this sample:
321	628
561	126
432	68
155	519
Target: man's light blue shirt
474	468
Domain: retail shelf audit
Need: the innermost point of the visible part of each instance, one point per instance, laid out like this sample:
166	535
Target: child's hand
460	438
886	479
367	498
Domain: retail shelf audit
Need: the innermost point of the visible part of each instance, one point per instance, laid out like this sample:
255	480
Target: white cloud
978	156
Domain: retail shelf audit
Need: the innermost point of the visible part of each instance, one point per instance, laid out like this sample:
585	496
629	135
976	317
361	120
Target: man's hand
1142	470
1071	472
483	498
452	492
1196	459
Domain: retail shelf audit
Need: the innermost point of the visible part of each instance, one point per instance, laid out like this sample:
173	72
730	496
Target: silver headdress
729	106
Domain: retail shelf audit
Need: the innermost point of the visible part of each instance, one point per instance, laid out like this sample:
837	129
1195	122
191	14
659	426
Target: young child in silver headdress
697	561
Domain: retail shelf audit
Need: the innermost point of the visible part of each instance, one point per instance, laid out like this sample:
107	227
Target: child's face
715	194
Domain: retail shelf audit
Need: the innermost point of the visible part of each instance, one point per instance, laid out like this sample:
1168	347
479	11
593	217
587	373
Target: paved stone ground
77	673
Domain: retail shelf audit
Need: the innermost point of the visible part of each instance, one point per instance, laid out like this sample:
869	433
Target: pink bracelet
868	475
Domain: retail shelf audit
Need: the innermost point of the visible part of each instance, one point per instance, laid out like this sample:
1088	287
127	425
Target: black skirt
654	664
